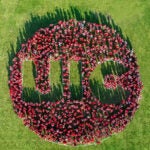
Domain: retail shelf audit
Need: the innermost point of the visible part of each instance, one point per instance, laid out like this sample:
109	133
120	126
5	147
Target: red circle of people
72	121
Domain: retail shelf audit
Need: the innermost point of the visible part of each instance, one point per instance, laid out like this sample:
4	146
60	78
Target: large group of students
67	120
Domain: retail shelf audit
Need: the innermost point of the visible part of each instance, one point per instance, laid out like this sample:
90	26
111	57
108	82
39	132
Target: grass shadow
31	95
111	67
108	96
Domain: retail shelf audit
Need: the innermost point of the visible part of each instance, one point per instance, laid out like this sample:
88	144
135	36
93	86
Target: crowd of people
71	121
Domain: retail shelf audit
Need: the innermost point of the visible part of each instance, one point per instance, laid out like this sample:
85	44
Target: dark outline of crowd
70	121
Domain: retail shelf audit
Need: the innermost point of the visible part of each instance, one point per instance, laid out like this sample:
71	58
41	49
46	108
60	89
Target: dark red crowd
71	121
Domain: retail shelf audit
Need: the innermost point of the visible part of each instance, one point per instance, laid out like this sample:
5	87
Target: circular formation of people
71	121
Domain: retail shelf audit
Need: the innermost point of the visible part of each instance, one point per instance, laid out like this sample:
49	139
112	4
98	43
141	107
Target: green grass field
20	19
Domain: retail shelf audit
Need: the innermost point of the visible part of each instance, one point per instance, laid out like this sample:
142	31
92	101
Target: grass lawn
20	19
